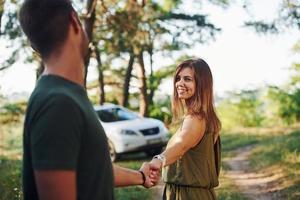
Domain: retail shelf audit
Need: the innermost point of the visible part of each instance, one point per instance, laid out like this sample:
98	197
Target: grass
133	161
227	190
276	147
10	160
11	140
283	152
10	175
10	179
277	150
231	141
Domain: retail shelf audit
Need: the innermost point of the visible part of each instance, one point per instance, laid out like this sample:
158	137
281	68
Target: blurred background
252	47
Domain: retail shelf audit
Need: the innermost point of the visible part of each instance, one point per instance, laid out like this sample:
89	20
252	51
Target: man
66	153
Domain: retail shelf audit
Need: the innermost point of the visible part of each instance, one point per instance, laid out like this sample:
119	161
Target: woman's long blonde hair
201	104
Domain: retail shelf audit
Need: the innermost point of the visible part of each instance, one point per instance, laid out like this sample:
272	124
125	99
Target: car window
115	114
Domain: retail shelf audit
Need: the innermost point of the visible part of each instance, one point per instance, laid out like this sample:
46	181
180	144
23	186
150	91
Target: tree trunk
1	11
1	142
143	88
151	94
40	70
100	78
127	81
89	21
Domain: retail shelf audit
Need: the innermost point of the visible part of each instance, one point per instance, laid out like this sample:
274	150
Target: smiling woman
191	160
185	83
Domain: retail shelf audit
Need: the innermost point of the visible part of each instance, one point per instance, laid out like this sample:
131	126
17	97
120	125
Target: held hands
155	167
152	175
156	164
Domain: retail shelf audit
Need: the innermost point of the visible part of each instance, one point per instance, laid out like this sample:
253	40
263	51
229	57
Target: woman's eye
177	79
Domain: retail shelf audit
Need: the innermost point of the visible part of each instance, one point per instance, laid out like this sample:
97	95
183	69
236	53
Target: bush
161	112
12	112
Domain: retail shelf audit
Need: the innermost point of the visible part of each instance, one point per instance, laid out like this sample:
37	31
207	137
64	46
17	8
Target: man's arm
129	177
56	184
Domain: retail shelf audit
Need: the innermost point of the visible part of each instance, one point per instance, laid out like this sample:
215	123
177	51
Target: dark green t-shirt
62	132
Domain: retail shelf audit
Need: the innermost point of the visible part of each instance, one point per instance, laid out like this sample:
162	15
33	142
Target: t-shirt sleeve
56	134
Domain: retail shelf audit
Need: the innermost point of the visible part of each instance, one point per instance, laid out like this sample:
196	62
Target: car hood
135	124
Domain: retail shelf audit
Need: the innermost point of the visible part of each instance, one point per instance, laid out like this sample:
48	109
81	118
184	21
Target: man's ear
75	22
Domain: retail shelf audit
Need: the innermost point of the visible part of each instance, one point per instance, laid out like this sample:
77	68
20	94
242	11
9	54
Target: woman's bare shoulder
193	120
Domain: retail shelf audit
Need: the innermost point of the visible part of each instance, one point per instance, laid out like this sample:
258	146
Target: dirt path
263	185
257	186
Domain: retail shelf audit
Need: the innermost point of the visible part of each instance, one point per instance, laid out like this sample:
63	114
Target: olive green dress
195	174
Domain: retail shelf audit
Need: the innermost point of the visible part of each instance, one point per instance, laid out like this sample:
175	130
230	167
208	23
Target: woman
191	160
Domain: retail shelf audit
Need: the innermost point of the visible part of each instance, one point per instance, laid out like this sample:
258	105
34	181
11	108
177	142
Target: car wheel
153	152
112	152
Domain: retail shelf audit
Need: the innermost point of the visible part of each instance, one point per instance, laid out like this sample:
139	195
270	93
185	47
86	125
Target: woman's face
185	84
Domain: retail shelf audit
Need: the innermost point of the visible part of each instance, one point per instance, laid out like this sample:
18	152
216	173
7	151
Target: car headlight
128	132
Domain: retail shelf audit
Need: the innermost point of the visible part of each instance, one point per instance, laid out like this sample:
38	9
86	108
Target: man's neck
66	66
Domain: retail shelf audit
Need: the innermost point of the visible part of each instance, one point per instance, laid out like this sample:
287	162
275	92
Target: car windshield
115	114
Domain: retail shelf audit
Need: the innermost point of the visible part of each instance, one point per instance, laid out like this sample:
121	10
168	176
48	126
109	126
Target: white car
128	132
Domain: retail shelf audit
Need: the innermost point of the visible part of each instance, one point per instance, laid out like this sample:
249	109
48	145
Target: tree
286	97
135	28
1	12
89	21
16	42
118	29
288	17
288	104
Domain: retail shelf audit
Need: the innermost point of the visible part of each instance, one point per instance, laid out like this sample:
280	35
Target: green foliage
242	109
285	100
288	104
11	112
13	109
249	109
255	109
168	5
94	99
263	27
162	111
295	78
288	16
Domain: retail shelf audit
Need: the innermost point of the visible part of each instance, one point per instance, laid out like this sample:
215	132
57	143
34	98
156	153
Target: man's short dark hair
46	23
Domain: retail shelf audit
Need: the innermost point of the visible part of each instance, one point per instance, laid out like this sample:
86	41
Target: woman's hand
156	164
